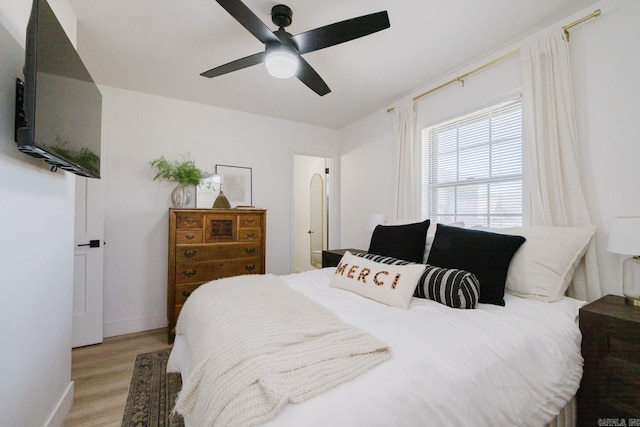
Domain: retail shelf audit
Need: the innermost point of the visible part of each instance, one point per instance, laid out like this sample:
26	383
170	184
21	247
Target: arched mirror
316	229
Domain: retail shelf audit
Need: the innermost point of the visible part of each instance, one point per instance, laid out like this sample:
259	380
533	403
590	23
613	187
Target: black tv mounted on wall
58	106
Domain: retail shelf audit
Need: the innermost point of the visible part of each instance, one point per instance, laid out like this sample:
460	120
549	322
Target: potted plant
184	173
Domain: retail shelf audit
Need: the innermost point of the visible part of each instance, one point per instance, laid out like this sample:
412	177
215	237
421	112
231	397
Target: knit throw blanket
256	345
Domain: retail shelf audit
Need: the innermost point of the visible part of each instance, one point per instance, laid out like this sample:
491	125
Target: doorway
310	211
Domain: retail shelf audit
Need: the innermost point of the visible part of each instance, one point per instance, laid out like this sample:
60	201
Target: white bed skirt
566	417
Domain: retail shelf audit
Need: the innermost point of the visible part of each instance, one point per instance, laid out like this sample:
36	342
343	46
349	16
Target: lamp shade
281	61
375	220
624	236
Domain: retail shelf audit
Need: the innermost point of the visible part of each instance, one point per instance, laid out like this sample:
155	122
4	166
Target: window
472	168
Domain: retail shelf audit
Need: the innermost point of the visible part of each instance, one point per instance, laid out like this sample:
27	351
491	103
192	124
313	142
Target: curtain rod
461	78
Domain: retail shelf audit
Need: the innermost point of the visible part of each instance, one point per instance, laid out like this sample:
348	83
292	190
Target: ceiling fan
282	54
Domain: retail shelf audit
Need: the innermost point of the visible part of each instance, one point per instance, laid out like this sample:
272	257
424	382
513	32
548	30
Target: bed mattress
516	365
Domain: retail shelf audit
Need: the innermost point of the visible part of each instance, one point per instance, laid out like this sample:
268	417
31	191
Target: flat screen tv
58	106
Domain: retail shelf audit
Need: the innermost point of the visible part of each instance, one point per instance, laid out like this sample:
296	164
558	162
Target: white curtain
407	205
552	150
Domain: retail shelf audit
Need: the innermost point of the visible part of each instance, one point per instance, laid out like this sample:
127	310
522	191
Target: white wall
367	176
142	127
36	213
605	68
607	98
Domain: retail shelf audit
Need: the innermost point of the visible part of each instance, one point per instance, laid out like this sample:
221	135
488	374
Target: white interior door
88	262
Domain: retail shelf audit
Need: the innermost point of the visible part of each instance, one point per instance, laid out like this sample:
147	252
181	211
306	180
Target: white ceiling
161	46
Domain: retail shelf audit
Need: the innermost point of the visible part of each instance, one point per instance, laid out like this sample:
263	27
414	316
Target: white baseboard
62	408
129	326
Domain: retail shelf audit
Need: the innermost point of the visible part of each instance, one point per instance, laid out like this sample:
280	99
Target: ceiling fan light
281	61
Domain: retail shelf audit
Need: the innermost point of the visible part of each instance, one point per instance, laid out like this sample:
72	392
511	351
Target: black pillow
405	242
485	254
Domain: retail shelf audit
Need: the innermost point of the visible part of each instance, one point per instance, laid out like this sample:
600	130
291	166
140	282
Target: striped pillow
383	259
451	287
455	288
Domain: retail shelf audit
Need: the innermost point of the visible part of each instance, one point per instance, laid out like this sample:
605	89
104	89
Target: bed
493	365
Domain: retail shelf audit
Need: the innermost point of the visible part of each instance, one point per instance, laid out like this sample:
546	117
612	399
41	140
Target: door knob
92	244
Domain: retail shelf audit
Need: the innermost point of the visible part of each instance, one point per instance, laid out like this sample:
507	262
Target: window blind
472	168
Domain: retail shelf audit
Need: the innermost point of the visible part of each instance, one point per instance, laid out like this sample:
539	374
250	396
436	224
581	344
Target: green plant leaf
184	172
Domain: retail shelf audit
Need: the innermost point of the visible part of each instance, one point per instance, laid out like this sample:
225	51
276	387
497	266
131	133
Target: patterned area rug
152	393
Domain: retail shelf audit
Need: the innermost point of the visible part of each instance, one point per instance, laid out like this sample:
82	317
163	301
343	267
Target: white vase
181	196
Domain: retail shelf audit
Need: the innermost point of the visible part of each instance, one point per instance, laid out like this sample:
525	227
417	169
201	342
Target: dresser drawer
184	291
188	221
188	236
177	310
219	252
199	272
250	235
624	346
250	221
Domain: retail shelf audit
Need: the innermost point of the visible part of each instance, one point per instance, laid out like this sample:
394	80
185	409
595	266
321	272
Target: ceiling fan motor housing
281	15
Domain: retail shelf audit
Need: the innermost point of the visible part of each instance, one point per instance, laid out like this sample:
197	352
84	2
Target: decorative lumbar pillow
386	283
543	267
405	242
451	287
485	254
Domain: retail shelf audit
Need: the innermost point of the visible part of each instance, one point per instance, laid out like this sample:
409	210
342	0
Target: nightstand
610	387
332	257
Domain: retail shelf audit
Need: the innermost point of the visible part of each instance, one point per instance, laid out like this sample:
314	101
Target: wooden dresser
610	387
208	244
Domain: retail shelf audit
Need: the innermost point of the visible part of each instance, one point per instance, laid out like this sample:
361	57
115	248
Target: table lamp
624	238
375	220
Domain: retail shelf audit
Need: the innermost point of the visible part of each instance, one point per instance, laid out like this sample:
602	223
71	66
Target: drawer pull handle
189	237
251	235
189	273
250	221
190	221
250	267
189	254
250	251
186	294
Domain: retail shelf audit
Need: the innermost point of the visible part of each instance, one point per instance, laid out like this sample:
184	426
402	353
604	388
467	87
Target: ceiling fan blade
309	76
236	65
249	20
340	32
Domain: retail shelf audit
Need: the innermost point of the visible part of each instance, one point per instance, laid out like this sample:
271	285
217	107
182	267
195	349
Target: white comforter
492	366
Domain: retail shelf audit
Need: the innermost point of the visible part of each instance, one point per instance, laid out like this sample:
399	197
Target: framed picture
236	184
207	190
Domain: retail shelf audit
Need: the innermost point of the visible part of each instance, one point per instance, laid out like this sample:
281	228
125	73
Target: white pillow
398	221
389	284
544	265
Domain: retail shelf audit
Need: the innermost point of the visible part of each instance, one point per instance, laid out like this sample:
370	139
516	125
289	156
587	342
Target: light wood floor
101	375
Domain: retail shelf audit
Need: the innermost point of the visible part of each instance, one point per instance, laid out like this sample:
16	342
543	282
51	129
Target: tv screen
61	118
